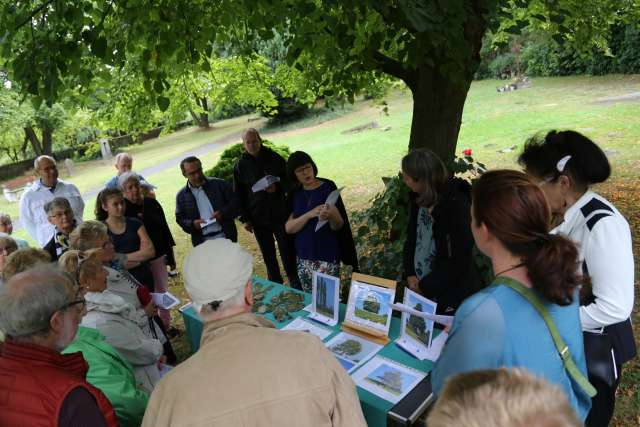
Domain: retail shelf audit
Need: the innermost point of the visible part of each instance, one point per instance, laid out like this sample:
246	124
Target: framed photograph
325	305
351	350
369	306
387	379
416	332
301	324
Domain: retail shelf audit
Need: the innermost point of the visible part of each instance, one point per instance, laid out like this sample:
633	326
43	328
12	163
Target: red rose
467	152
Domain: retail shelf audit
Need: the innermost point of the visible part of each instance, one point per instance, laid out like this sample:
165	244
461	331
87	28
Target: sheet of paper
437	344
301	324
332	198
351	350
387	378
322	319
264	182
438	318
164	369
208	222
165	300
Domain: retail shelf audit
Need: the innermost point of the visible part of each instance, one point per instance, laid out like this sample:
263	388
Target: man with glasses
40	315
32	215
206	207
60	215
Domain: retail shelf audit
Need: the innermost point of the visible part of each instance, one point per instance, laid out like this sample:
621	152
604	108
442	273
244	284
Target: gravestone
105	149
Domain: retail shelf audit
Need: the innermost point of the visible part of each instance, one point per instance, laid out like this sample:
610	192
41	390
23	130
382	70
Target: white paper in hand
208	222
164	300
264	182
438	318
332	199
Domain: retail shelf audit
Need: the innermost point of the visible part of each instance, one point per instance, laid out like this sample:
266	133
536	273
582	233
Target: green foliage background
224	167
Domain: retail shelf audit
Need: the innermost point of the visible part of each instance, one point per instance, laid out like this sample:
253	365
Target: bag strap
561	347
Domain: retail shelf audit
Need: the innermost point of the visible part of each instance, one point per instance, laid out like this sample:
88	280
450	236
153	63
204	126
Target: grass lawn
492	122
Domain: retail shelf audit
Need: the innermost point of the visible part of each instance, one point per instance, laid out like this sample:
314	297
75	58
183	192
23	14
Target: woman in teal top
497	327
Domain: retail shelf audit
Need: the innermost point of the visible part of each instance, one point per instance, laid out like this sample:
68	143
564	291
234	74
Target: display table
374	408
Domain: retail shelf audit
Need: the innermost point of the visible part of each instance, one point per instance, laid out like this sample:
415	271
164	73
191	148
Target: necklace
510	269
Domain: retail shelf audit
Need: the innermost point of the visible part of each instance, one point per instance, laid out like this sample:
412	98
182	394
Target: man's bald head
30	299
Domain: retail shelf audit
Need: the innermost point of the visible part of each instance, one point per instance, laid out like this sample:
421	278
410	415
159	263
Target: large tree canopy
432	45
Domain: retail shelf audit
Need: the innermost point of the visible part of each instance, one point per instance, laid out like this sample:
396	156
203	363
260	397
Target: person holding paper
206	208
317	249
438	260
535	293
264	211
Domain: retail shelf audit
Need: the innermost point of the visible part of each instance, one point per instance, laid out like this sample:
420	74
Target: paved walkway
161	167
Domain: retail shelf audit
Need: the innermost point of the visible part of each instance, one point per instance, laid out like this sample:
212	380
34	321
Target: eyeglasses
81	301
6	250
193	172
59	215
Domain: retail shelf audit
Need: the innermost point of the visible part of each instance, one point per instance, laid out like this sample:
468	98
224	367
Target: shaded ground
625	194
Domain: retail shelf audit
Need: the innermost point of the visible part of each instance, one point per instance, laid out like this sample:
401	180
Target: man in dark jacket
206	207
265	211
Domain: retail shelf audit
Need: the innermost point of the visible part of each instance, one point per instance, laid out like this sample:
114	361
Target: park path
163	166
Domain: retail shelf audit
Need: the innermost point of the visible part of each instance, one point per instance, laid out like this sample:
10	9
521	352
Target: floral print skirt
306	267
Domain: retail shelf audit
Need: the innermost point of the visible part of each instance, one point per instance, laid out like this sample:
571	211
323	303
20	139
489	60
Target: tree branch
32	14
395	68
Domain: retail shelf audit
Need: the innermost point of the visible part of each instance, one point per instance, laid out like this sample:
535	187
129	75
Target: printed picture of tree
373	306
325	296
417	327
390	379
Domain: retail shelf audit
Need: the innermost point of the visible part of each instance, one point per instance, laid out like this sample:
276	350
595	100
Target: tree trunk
47	142
30	134
204	116
437	112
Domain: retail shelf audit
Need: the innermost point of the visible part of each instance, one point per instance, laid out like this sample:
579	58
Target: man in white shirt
32	214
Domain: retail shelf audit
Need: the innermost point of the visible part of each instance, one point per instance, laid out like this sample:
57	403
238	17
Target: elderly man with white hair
32	214
246	371
124	164
39	386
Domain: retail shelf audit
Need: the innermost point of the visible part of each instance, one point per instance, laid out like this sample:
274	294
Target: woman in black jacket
438	259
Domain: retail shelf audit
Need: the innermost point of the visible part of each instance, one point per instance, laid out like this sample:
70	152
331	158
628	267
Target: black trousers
603	403
266	237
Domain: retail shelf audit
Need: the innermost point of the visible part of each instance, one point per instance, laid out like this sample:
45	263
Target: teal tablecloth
374	408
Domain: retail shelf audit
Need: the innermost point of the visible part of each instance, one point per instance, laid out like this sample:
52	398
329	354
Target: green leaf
158	87
99	47
163	103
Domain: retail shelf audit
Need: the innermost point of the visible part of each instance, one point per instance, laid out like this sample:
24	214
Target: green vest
112	374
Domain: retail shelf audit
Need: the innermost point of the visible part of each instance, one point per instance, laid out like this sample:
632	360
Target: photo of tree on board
416	327
325	296
373	306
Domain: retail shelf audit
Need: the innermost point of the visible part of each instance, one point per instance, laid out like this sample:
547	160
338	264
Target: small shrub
224	168
504	64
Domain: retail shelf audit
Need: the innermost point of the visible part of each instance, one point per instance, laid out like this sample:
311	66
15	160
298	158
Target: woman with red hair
535	292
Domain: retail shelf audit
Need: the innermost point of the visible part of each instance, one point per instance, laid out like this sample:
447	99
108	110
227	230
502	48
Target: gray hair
86	234
57	202
29	300
121	156
44	156
126	177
